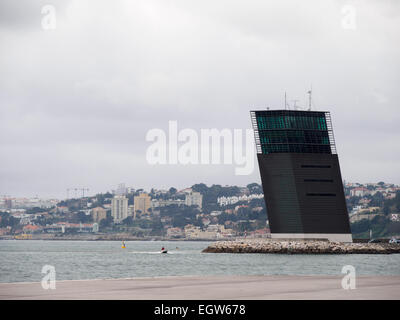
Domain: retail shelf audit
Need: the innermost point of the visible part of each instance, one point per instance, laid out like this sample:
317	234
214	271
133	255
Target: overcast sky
77	101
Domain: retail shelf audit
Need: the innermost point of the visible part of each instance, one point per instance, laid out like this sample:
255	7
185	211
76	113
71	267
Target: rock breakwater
300	247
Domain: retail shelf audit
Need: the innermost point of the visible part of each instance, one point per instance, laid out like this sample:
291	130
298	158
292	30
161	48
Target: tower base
337	237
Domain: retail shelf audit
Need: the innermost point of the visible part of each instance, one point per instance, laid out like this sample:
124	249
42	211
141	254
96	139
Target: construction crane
83	191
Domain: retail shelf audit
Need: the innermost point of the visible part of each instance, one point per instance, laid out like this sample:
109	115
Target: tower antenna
285	102
309	98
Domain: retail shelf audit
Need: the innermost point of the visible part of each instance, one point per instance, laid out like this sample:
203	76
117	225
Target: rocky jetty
300	247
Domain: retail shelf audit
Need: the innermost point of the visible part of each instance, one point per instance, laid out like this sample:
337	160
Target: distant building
99	214
260	233
223	201
159	192
142	204
212	232
121	190
119	208
8	203
157	203
31	228
66	227
166	219
215	213
237	208
175	233
214	227
395	217
390	195
95	227
4	231
359	192
364	215
62	209
194	199
356	209
205	221
364	201
193	232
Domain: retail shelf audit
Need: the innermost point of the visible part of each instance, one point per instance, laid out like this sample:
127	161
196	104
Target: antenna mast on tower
294	104
309	98
285	101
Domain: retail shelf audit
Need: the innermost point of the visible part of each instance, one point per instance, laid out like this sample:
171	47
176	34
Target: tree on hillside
254	188
200	187
8	221
377	200
127	221
107	222
35	210
83	218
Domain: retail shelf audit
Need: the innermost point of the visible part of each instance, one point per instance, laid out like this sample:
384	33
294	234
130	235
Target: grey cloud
77	102
26	15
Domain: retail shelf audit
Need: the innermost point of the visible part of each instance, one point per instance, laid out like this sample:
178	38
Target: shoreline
105	238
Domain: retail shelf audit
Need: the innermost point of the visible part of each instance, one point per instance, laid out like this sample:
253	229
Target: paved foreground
210	287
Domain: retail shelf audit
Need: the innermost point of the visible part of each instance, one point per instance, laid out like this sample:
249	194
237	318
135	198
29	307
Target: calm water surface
22	260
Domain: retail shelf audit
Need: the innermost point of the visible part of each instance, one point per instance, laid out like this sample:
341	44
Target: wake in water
153	252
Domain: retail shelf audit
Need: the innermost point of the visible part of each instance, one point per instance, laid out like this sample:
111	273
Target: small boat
163	250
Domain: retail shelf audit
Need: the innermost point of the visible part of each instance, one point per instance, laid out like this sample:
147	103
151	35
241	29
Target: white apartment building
359	192
194	199
156	203
119	208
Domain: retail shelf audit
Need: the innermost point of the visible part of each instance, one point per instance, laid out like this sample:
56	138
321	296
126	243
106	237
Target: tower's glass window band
280	131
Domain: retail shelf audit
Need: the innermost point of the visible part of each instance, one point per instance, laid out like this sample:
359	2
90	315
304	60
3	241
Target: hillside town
196	213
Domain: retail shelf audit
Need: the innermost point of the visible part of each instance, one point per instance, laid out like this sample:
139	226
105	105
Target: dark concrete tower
300	175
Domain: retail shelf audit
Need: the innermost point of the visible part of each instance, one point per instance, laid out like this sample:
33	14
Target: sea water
23	260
